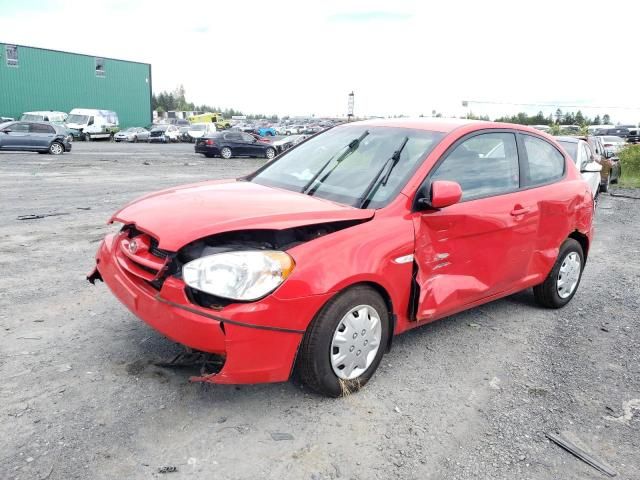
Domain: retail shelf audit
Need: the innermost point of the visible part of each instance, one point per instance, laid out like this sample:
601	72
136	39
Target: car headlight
244	275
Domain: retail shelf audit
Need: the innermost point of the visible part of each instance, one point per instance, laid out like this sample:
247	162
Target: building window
100	67
11	53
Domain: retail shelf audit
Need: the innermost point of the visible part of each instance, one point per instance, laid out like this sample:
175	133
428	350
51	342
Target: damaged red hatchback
367	230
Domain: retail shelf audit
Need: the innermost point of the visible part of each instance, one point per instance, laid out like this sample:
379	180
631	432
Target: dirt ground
467	397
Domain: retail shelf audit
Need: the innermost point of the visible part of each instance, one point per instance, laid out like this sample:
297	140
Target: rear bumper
255	339
207	150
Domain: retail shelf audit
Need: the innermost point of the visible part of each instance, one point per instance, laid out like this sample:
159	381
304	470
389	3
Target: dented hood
180	215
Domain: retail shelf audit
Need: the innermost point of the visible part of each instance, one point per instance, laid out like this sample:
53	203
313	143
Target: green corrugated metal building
37	79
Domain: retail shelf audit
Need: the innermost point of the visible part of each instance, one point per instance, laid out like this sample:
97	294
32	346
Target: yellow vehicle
209	117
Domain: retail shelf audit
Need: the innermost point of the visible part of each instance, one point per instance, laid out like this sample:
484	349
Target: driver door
482	245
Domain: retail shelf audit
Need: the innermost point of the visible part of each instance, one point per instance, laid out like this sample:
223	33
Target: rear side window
545	162
39	128
483	165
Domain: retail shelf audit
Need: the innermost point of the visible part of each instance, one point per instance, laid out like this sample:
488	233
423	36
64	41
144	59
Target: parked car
42	137
287	142
46	116
183	134
294	129
266	131
199	130
229	144
613	143
164	134
313	262
610	163
91	124
621	132
281	130
585	161
133	134
634	135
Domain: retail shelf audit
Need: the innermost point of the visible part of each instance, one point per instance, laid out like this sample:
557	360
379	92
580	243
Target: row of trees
560	118
176	101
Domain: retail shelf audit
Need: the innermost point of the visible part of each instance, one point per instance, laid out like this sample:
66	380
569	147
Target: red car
315	261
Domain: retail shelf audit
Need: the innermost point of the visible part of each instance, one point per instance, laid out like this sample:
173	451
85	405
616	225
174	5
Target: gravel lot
467	397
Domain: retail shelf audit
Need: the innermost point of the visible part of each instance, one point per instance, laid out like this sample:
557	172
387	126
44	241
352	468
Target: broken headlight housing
243	275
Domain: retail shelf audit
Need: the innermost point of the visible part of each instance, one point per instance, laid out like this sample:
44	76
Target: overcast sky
399	57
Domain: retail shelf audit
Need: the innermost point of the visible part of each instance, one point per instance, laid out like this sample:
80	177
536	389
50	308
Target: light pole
350	107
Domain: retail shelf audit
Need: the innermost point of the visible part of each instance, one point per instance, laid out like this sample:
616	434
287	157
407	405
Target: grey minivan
41	137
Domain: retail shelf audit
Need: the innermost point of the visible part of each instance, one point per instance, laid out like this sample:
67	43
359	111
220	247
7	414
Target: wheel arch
583	240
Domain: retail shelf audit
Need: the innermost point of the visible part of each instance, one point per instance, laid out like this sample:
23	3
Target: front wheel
226	153
270	153
345	342
562	282
56	148
135	139
87	137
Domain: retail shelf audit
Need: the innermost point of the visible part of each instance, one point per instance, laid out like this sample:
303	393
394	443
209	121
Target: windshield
198	127
162	128
613	139
80	119
340	164
31	118
571	148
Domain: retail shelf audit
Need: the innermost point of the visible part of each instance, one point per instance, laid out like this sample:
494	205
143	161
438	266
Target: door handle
518	210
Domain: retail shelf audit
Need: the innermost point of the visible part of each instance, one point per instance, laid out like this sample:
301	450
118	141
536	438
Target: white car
164	133
584	159
613	143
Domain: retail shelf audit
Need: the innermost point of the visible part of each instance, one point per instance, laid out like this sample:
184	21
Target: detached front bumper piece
253	338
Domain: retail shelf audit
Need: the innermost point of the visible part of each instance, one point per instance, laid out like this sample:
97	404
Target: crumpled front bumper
254	338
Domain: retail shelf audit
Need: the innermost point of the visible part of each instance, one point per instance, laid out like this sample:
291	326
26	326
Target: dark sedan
41	137
233	144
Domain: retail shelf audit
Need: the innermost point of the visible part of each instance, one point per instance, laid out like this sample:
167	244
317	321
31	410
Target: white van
50	116
199	130
90	124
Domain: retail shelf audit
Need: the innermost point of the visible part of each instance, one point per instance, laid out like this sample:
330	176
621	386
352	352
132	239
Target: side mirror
443	194
608	154
592	167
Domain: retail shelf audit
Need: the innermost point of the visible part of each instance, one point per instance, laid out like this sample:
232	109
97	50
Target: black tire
135	139
617	177
209	155
270	153
226	153
546	294
87	137
604	186
314	364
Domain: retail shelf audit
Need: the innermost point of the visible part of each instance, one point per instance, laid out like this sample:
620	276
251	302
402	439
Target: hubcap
270	154
355	342
568	275
56	149
226	153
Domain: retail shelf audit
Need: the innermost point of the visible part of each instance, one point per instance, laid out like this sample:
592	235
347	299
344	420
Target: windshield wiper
364	198
349	149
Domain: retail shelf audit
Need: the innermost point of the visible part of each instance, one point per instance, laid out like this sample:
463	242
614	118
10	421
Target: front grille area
139	256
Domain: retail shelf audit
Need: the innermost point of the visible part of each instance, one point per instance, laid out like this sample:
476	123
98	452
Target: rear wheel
562	282
226	153
56	148
209	155
345	342
604	186
617	176
135	139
